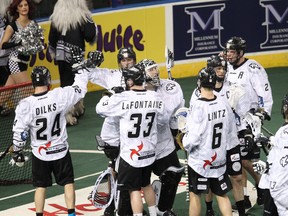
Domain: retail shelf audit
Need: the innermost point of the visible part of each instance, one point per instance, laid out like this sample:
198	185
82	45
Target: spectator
67	31
21	11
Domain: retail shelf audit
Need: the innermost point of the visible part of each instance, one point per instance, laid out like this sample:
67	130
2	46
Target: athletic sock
152	210
39	214
245	191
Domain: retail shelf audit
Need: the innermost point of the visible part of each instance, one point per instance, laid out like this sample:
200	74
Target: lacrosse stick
104	190
7	151
169	56
267	131
181	115
255	124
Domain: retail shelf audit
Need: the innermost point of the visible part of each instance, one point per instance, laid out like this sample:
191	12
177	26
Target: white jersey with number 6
211	131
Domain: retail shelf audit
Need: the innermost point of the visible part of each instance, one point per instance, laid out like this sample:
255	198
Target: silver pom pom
31	39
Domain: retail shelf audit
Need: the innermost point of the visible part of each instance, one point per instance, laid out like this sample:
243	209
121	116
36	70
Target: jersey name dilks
45	109
216	115
142	104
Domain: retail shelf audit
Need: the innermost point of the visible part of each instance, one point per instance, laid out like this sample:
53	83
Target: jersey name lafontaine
141	104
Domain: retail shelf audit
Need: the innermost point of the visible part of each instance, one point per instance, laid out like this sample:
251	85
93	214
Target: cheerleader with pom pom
18	37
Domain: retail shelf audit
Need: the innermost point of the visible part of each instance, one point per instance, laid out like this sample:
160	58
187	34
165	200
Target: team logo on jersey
170	87
284	161
136	152
254	66
208	162
45	147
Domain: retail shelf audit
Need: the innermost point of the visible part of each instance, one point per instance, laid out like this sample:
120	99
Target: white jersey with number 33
139	113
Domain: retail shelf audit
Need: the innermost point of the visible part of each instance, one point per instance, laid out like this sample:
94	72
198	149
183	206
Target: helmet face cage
236	43
284	107
207	78
41	76
151	77
135	73
126	53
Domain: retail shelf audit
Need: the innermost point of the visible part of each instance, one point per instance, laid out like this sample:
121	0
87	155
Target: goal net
9	98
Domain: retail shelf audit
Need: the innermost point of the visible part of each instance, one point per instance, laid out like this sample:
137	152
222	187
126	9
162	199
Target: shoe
260	196
247	204
210	212
169	213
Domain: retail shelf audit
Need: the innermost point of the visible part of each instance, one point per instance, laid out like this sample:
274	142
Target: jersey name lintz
141	104
45	109
217	115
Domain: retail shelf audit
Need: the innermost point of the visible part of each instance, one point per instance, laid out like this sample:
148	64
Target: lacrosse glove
178	141
94	59
249	141
113	90
18	158
261	167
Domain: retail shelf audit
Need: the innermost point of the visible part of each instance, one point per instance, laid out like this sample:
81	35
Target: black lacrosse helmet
236	43
206	78
135	73
40	76
284	107
217	61
126	53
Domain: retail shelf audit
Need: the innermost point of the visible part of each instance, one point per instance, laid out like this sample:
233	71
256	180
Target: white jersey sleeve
278	158
195	95
43	116
261	85
106	78
172	95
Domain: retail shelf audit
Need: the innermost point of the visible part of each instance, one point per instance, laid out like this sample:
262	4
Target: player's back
139	113
209	136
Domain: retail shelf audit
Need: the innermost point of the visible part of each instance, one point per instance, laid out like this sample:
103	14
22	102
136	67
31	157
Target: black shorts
253	154
159	166
62	170
199	184
234	165
132	178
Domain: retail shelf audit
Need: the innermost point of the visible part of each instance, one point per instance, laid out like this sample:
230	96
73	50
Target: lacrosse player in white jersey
42	115
139	111
234	167
211	132
253	78
112	80
277	163
167	165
